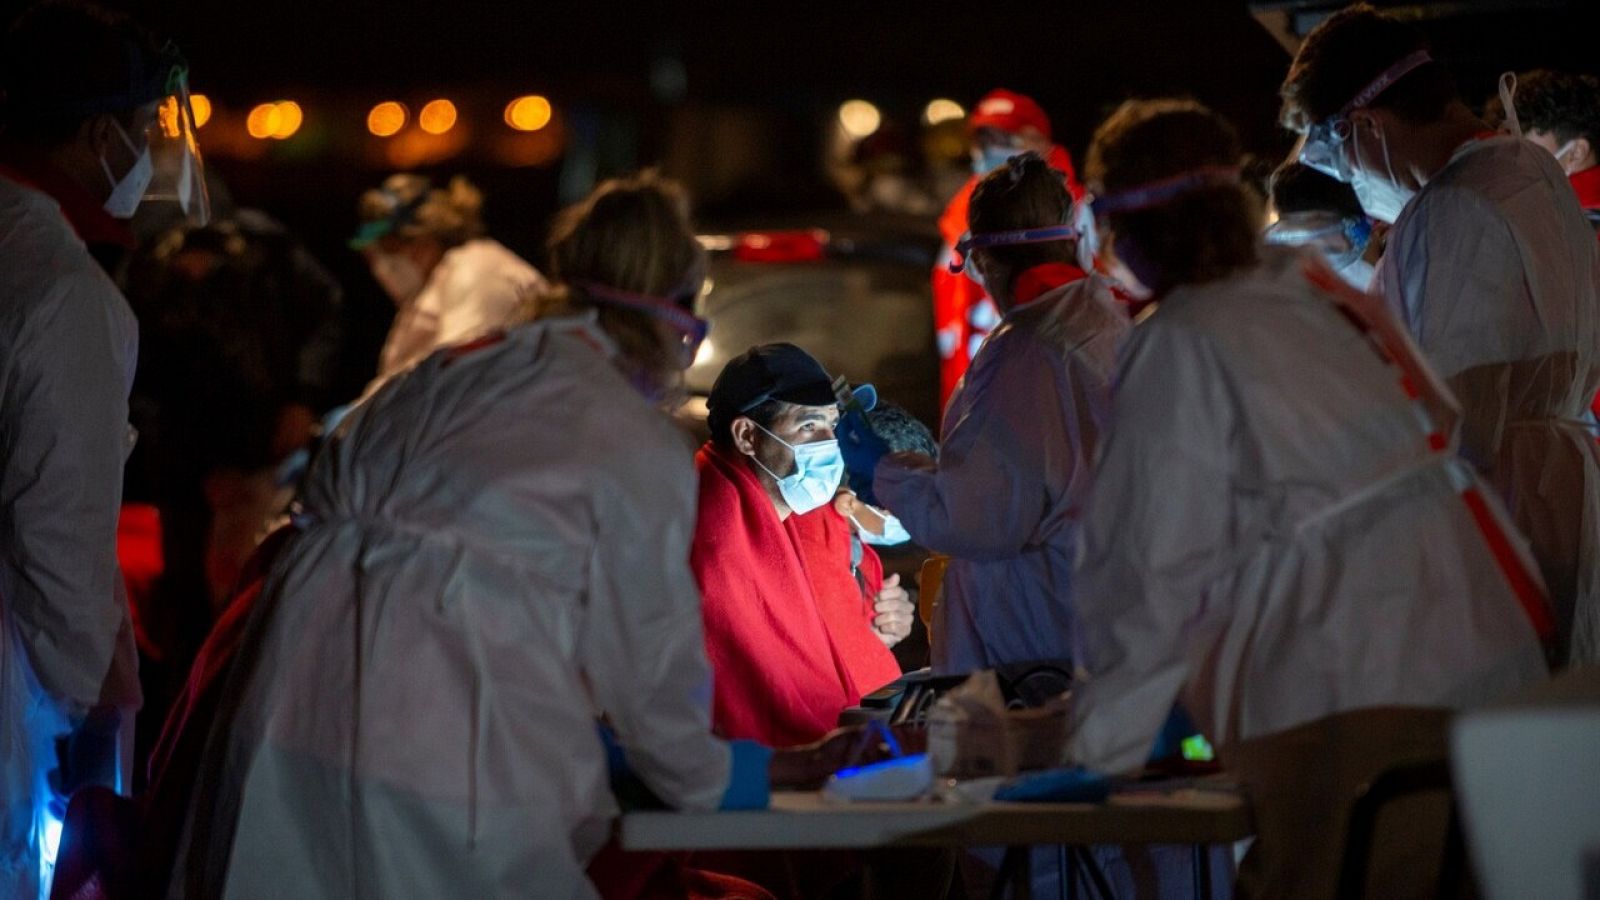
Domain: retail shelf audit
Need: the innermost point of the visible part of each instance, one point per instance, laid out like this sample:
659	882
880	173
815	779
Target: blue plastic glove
861	448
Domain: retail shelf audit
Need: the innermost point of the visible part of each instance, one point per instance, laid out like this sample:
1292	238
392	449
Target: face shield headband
1323	147
691	327
1164	191
400	215
1088	210
1041	235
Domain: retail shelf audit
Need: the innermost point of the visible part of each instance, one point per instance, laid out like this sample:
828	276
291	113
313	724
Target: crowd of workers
1253	469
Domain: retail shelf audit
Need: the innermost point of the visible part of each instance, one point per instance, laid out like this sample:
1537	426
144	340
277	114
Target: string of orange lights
282	119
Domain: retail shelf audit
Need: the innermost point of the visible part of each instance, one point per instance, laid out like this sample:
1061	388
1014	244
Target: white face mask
1382	197
400	277
1561	156
129	191
818	472
893	532
1358	274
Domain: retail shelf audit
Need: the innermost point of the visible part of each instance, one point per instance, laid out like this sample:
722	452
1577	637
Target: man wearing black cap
794	635
83	90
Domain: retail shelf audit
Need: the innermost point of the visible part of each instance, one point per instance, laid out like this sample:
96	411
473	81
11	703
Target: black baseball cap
769	372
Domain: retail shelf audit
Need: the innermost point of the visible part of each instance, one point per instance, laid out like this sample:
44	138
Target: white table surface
806	820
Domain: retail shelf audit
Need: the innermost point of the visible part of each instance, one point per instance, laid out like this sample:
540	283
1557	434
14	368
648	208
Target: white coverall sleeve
63	438
1157	530
643	647
986	498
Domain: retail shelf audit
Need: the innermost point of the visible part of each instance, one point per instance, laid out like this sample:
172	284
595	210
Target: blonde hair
451	215
632	234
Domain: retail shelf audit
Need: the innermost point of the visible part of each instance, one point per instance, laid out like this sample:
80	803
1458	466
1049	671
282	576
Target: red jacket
788	628
962	315
85	213
1587	185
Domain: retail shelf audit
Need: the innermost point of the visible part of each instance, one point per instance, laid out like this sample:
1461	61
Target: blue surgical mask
987	156
989	159
818	472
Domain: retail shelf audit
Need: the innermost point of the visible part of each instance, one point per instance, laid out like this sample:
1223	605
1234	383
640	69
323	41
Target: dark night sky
1078	56
790	64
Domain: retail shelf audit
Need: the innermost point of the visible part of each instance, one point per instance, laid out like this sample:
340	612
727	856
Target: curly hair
1345	53
903	432
1198	236
1565	104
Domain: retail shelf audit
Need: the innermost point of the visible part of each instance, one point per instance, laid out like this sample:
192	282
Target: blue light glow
904	762
50	827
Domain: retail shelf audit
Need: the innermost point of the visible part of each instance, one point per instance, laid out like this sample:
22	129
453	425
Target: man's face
991	148
794	425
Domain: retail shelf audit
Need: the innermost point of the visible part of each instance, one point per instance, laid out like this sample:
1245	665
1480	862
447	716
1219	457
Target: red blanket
788	628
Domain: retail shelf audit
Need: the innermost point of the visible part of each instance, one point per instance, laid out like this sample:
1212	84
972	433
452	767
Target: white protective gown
476	288
67	346
1278	532
1496	273
1019	439
494	551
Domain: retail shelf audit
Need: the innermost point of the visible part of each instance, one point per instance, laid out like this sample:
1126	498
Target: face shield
1324	148
1326	143
178	176
1341	239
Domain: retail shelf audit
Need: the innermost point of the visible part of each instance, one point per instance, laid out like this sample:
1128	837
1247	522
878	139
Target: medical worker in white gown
1019	434
1278	529
492	552
1495	272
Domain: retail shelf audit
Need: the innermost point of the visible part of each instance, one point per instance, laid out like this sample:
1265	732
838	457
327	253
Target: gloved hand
861	448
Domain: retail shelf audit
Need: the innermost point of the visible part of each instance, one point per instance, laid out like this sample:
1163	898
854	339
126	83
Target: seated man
794	632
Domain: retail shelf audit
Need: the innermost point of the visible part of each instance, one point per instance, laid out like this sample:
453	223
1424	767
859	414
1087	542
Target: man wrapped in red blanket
796	630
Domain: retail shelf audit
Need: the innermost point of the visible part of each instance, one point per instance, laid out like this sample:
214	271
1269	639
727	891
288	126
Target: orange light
263	121
386	119
437	117
167	116
289	118
529	113
200	105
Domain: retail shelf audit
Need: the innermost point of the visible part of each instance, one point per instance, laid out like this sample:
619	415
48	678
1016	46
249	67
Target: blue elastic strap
749	786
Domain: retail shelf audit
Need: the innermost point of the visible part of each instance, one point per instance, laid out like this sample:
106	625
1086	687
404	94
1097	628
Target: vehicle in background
855	297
